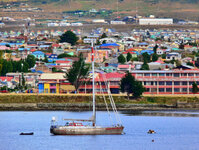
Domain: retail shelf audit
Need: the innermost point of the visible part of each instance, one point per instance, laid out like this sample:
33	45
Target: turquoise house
39	54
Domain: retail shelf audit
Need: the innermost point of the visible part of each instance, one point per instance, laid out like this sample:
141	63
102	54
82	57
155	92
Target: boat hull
65	130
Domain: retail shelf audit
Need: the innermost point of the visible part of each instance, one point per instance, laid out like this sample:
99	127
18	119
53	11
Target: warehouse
155	21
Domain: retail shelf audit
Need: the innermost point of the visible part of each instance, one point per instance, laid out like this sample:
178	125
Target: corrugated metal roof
52	76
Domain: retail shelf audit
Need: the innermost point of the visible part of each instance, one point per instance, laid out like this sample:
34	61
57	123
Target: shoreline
88	107
81	102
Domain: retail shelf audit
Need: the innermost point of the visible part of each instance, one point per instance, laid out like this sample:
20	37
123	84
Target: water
172	133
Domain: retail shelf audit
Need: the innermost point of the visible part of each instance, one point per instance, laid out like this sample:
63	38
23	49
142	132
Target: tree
69	37
31	61
155	48
121	59
190	64
9	66
194	88
164	56
23	81
63	55
78	72
131	86
145	66
146	57
46	59
103	36
154	57
128	57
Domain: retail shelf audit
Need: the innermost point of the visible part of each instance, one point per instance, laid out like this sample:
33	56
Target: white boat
76	126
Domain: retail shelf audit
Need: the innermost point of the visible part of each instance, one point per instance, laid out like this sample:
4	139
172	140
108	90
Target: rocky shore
88	107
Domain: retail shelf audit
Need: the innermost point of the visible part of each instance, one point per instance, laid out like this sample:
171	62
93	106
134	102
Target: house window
184	83
184	89
46	90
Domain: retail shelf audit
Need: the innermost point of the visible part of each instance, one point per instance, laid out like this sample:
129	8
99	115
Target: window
184	74
176	83
190	83
168	82
184	89
161	83
154	90
191	74
147	90
154	74
176	90
176	74
168	74
161	74
197	74
147	74
168	90
139	75
161	89
184	83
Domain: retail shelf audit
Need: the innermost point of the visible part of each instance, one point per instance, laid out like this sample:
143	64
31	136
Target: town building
155	21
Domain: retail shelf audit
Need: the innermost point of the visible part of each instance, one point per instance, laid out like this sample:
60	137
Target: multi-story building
155	82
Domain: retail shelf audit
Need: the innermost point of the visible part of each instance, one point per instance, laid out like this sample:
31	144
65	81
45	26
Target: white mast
93	71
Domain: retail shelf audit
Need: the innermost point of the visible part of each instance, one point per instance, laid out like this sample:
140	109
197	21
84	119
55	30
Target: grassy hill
182	9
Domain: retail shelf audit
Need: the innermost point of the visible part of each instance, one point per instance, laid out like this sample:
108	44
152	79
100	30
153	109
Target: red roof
128	52
55	45
48	54
32	50
62	61
6	78
32	45
130	49
114	75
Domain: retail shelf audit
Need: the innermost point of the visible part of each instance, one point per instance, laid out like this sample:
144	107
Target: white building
98	21
117	22
155	21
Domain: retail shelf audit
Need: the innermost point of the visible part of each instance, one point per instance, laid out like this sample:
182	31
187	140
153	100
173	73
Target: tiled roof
114	75
6	78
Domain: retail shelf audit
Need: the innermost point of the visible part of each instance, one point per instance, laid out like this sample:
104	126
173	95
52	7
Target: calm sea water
173	133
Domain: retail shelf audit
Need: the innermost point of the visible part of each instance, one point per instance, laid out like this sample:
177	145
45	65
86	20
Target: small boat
151	132
76	127
29	133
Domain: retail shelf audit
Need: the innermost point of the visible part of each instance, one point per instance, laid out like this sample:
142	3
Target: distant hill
182	9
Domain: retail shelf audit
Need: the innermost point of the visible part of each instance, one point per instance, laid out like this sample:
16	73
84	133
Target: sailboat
76	126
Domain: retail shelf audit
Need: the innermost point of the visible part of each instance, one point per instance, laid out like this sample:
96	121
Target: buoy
152	140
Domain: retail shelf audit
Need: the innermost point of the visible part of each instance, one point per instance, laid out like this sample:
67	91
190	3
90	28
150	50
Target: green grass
4	98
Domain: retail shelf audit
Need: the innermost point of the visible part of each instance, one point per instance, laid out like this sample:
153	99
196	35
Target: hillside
182	9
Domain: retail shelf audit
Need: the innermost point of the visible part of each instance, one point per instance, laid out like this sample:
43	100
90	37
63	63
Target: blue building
38	54
52	58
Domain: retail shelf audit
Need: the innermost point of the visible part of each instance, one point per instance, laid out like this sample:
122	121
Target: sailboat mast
93	71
